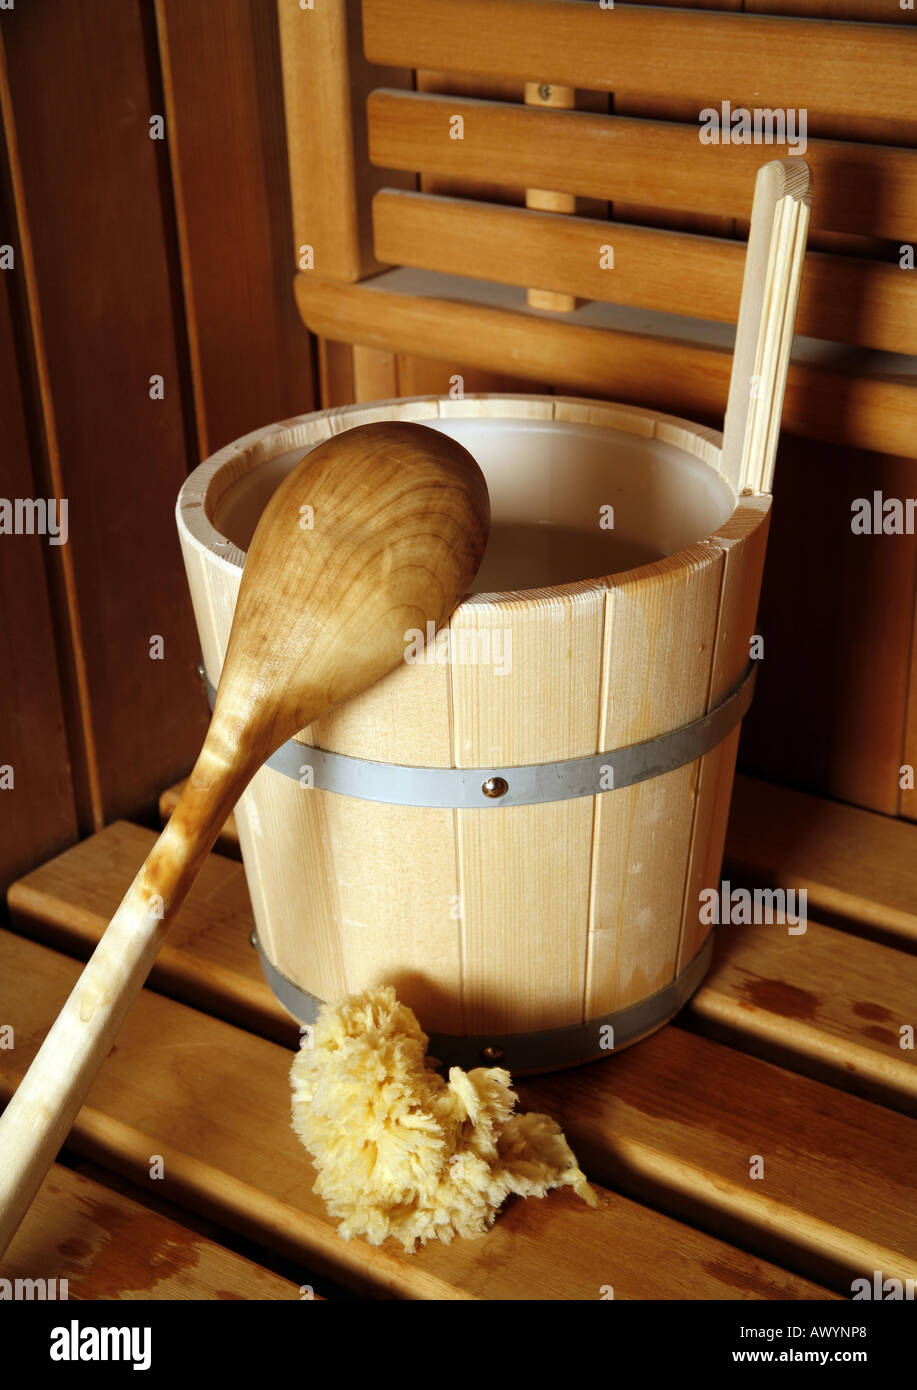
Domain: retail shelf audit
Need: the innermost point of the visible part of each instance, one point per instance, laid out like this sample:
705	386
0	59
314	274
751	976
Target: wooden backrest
481	121
423	257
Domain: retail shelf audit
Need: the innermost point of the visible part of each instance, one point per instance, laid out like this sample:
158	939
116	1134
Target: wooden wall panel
907	796
92	203
37	814
836	615
422	376
251	361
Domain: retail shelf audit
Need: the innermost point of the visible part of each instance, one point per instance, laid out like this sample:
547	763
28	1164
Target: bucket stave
517	932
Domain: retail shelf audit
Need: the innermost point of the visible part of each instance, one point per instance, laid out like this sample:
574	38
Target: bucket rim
197	499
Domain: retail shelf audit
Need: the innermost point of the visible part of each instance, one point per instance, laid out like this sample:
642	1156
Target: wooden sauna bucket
559	921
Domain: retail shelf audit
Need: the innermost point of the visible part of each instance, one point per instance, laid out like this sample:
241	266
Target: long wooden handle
49	1096
764	334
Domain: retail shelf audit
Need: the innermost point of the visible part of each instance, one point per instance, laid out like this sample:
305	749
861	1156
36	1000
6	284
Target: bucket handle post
764	333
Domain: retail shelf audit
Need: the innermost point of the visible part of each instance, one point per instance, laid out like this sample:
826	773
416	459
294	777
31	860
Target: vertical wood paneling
250	354
837	616
375	374
336	373
422	376
907	796
90	200
37	814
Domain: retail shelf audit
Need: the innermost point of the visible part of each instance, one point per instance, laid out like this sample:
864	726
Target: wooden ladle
397	528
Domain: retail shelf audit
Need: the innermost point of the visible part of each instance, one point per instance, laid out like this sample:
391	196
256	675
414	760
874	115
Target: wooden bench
788	1056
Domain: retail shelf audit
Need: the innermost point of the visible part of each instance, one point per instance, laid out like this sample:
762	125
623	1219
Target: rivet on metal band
538	1051
470	787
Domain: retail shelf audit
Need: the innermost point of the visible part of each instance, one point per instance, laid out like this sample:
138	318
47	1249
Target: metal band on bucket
531	1052
470	787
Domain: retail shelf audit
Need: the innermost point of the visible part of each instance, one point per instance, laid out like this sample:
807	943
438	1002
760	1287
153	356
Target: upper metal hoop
464	787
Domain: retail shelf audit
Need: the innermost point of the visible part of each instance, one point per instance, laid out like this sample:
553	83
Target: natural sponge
400	1151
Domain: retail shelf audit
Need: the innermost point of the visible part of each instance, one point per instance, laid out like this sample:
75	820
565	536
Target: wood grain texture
104	321
659	638
250	359
325	82
290	833
543	94
764	331
907	795
400	519
742	541
825	1003
335	372
227	842
858	868
870	11
837	398
635	49
418	376
682	110
424	376
220	1098
843	298
661	163
494	935
107	1246
678	1120
491	89
505	89
375	374
208	960
38	813
525	880
831	706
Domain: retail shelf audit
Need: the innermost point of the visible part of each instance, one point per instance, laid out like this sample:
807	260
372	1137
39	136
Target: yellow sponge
401	1152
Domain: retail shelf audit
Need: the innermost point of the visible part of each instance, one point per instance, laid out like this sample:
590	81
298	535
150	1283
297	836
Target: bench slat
656	163
855	865
678	1121
664	361
824	67
214	1101
825	1003
843	298
108	1246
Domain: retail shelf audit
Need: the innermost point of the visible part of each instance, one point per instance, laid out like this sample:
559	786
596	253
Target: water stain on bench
147	1254
881	1035
778	997
876	1012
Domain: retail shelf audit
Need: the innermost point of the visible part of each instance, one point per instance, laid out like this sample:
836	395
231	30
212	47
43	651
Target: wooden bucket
521	821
